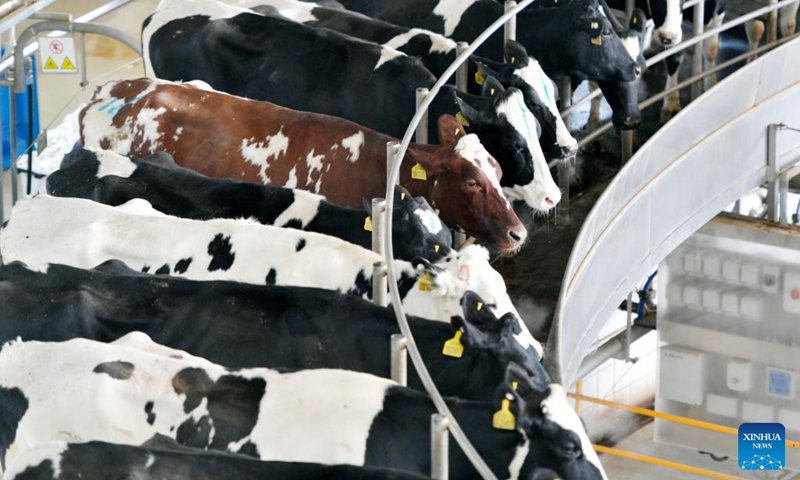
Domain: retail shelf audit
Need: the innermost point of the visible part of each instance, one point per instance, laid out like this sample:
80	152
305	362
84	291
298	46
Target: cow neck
497	447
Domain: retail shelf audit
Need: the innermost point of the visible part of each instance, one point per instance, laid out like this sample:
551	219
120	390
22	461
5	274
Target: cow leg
672	102
711	49
788	19
594	112
755	30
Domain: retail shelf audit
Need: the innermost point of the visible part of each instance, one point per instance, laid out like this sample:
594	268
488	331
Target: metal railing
709	155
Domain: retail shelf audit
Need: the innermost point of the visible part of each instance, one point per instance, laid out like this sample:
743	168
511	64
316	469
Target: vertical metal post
772	173
562	209
392	148
697	57
772	23
399	368
380	283
12	108
629	6
29	89
626	137
783	187
84	79
440	447
510	28
565	97
462	74
378	222
422	128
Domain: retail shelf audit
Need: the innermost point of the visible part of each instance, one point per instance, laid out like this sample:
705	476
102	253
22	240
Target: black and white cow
277	60
575	39
83	234
245	326
437	52
105	177
162	458
129	391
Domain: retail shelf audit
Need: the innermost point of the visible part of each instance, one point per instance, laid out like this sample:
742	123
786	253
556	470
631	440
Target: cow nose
668	38
549	203
637	70
566	152
631	122
518	236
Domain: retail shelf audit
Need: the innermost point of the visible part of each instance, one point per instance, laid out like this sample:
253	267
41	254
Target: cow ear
478	324
638	20
515	53
492	87
433	279
510	407
467	114
450	129
401	194
484	72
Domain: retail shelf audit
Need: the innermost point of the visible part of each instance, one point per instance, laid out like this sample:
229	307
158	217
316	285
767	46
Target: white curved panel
709	155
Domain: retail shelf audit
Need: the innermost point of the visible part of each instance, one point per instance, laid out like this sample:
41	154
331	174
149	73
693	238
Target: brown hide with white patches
216	133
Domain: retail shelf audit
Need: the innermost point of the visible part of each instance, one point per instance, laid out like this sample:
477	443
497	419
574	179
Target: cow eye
472	183
571	449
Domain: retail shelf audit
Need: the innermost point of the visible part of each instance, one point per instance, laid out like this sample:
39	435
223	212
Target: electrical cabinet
729	333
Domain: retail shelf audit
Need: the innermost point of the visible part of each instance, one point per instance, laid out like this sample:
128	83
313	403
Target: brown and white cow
221	135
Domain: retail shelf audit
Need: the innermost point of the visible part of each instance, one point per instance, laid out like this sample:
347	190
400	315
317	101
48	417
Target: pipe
31	32
610	349
392	149
30	126
12	130
640	307
626	138
562	209
697	58
399	353
664	463
440	447
380	282
422	128
462	75
510	30
378	219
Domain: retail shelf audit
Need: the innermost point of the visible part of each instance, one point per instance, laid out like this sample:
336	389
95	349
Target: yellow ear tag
513	59
597	40
503	419
635	20
454	347
514	385
491	92
457	131
402	195
368	224
418	172
436	248
593	25
461	119
479	78
425	284
480	305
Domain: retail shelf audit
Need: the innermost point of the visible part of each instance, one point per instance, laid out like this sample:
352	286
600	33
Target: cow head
597	48
417	230
556	435
466	188
526	74
667	16
623	97
484	331
513	137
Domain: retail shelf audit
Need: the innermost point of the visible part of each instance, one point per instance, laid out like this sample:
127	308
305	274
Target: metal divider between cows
443	422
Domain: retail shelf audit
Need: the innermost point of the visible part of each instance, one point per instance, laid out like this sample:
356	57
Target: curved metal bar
35	29
393	176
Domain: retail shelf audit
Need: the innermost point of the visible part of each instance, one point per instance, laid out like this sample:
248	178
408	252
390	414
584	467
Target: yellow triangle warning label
50	64
67	64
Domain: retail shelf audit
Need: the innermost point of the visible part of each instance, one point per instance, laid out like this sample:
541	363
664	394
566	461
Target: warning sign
58	55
